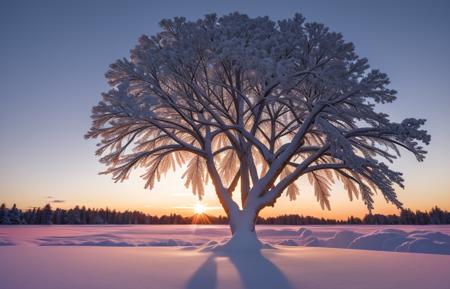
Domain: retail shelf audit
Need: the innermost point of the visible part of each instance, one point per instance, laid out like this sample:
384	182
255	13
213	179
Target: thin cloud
58	201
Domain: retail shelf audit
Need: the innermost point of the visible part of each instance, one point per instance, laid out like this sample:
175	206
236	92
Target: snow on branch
253	101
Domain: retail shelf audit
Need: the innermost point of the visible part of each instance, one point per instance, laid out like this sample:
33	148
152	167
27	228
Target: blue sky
54	54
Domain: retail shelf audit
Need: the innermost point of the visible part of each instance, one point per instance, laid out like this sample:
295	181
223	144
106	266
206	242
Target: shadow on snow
255	272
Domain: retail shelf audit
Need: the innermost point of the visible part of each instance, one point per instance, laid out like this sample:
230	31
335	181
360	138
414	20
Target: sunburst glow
199	208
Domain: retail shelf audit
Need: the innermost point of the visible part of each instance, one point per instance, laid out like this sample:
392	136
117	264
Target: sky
53	56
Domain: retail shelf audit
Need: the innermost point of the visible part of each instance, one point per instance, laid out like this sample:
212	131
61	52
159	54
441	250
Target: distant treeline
83	215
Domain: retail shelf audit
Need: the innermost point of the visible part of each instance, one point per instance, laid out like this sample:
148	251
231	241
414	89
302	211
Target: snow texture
379	240
5	242
417	239
68	267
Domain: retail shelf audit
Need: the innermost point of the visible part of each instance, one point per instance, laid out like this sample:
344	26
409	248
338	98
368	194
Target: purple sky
53	56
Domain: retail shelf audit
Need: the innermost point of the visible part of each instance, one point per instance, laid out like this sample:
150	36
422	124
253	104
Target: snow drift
379	240
417	239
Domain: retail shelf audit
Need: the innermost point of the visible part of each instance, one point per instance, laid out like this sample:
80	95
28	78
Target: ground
49	258
172	267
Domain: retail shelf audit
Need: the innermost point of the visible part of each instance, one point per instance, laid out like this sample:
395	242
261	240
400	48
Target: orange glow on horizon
171	196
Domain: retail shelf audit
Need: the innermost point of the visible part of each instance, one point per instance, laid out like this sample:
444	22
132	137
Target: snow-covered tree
252	105
4	216
47	215
14	215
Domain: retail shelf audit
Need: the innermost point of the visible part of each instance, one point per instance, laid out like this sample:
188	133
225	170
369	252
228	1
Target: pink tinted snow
420	239
68	267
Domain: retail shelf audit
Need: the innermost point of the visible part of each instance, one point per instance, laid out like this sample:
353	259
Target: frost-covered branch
252	105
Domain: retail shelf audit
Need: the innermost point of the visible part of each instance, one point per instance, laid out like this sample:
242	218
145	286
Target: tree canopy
253	103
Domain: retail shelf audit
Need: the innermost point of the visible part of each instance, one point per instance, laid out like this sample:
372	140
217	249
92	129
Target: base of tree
241	242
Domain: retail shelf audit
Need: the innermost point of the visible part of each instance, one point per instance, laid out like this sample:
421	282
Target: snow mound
274	233
380	240
400	241
237	244
416	239
423	245
377	240
168	243
112	240
288	242
106	243
436	236
6	242
341	239
304	233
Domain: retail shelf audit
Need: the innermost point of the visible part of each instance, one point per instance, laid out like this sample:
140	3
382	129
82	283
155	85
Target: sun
199	208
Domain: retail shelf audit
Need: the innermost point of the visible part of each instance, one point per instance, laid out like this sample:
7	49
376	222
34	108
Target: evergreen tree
4	217
47	215
101	216
14	215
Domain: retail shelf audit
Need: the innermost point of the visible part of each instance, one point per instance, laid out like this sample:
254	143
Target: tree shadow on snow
205	277
255	272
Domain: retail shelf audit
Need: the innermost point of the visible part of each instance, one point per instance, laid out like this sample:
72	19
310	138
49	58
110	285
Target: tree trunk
242	225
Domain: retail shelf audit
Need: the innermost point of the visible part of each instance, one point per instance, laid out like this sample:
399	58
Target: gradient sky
53	56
